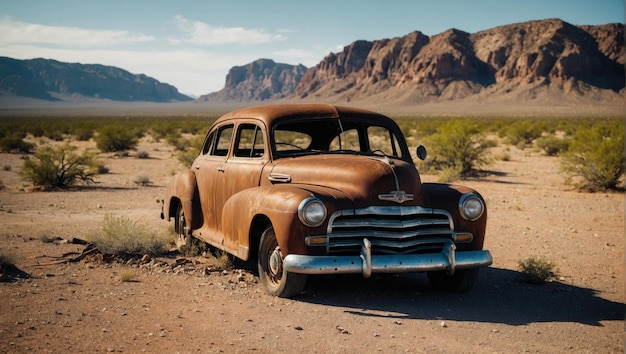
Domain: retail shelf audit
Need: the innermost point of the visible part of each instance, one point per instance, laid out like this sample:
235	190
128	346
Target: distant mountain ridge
42	78
519	61
262	79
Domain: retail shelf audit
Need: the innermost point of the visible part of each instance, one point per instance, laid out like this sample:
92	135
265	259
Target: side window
218	143
347	140
208	144
384	140
249	141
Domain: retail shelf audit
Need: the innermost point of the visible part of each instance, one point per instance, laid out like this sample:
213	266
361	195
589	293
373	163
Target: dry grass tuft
120	235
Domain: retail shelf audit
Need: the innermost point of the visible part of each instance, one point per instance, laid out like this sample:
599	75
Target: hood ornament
396	196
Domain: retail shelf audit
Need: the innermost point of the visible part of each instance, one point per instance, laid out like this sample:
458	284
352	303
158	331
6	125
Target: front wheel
275	279
462	281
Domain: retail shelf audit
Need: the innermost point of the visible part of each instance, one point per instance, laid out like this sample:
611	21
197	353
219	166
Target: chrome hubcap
276	262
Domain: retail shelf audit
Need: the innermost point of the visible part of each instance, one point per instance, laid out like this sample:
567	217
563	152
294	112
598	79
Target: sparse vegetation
595	159
59	167
142	154
114	138
191	151
459	146
7	259
552	145
536	269
15	144
120	235
127	275
141	180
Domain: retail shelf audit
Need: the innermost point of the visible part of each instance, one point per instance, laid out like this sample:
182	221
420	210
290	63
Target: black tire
462	281
183	238
275	279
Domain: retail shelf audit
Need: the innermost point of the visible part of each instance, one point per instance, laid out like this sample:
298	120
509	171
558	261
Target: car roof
269	113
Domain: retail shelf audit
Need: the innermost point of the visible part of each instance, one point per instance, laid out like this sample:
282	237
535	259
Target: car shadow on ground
499	297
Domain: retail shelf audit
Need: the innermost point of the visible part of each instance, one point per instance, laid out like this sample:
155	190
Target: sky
192	44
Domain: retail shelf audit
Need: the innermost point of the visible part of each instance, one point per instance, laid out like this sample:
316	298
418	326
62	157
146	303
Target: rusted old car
307	189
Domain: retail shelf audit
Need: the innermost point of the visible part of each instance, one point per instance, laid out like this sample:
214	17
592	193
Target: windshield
332	135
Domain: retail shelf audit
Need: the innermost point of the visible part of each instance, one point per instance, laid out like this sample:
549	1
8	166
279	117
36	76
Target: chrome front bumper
366	263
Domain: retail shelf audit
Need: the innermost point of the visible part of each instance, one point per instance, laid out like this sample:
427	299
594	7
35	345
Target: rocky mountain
45	79
518	61
262	79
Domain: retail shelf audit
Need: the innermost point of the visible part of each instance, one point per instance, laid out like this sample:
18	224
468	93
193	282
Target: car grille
391	230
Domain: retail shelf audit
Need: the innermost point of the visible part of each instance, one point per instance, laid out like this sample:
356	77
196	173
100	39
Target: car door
208	169
241	170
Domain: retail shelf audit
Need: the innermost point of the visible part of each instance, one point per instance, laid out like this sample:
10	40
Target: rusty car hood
376	176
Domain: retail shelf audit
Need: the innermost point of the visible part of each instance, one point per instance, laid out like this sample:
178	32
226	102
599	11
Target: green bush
595	159
114	138
120	235
552	145
15	143
459	146
59	167
191	151
524	132
536	269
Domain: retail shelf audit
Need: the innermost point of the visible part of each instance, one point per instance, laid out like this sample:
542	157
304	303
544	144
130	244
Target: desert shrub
595	158
102	169
536	269
178	142
142	154
523	132
141	180
83	133
7	259
458	145
15	143
127	275
120	235
552	145
59	167
113	138
187	156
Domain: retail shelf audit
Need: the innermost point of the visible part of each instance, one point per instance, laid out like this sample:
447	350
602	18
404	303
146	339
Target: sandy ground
183	307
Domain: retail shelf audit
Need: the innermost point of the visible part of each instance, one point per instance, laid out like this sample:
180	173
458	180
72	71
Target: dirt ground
181	306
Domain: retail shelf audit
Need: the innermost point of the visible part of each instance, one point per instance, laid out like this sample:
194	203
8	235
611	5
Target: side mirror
421	152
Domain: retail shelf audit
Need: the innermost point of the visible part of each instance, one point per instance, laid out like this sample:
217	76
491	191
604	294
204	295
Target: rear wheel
275	279
463	280
183	238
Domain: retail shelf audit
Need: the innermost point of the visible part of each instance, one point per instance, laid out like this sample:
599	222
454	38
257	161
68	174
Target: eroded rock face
262	79
549	54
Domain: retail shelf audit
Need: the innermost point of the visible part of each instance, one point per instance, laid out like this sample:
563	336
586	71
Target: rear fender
182	189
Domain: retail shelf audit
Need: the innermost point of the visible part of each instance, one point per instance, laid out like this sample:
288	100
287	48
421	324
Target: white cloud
204	34
18	32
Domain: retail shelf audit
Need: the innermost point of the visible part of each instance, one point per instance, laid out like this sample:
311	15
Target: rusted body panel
331	183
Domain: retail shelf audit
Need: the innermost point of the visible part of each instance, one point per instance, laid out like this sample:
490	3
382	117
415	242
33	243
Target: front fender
182	189
279	203
446	197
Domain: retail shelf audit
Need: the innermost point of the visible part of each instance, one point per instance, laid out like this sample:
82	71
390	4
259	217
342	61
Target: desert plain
177	304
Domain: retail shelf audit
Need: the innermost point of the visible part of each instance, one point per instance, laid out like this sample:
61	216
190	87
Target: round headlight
471	207
312	212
